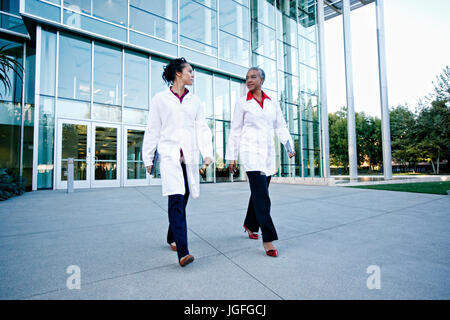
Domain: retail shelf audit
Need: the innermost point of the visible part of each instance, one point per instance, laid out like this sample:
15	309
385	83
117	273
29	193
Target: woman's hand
291	154
149	169
232	166
207	161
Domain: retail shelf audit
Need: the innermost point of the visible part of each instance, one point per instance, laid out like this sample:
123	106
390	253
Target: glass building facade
91	68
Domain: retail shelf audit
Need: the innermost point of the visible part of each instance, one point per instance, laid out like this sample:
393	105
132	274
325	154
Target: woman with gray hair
257	118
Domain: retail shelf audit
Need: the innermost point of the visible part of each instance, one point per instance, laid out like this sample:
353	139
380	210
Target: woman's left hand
291	154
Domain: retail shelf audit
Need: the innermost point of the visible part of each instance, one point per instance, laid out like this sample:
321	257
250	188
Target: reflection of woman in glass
177	127
256	119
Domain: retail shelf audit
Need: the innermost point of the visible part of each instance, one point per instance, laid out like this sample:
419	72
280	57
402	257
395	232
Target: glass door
73	142
105	168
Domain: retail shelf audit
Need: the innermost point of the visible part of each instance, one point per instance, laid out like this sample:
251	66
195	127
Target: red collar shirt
261	103
253	128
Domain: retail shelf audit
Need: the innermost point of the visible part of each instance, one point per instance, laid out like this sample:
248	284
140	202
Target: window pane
287	22
209	3
79	5
134	116
107	74
222	132
15	51
292	118
288	58
11	6
207	173
269	66
263	11
288	87
222	98
198	27
106	113
135	164
10	124
46	142
111	10
308	106
136	80
11	109
307	17
74	68
166	9
263	40
157	84
48	59
203	89
156	18
308	54
88	23
73	109
308	79
234	19
234	49
237	91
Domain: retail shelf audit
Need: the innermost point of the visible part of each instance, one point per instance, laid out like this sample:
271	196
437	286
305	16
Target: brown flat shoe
186	260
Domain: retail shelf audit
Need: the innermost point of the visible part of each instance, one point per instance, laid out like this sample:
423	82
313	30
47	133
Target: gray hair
261	72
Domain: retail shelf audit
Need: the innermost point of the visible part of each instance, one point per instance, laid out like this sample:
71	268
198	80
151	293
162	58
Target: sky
417	50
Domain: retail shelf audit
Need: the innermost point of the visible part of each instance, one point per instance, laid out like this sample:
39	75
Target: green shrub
11	184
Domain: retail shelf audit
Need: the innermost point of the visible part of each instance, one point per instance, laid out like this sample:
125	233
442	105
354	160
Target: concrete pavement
329	237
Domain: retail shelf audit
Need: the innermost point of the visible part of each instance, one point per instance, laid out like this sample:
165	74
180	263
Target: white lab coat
172	126
252	134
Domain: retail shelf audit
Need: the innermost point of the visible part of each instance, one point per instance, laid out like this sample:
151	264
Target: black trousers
258	212
177	219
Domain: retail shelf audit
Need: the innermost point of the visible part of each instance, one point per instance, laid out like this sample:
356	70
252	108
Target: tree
368	139
337	123
442	86
403	144
432	132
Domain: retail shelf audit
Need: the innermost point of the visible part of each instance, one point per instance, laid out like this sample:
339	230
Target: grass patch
439	187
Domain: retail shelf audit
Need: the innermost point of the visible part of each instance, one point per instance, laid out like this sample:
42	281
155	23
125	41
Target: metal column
385	121
323	92
352	152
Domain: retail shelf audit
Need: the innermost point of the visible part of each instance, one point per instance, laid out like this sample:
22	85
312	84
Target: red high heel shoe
253	236
272	253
